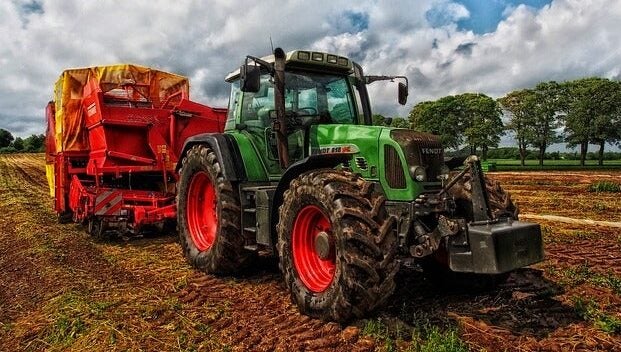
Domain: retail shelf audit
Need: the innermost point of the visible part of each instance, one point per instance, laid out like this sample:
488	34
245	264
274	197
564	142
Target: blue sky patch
352	22
486	14
439	16
32	6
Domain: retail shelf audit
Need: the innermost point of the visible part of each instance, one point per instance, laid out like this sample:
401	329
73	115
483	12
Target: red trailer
113	139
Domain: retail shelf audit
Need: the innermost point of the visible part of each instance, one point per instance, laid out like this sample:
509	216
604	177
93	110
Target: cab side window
234	101
340	106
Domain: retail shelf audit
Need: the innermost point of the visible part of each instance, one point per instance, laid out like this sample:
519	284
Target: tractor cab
317	89
310	99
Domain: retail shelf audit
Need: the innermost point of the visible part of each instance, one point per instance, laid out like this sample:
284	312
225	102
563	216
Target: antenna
272	44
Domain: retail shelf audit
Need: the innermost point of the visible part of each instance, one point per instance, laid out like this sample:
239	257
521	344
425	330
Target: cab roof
308	59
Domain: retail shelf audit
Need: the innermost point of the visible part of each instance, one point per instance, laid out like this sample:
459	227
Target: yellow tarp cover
71	133
49	174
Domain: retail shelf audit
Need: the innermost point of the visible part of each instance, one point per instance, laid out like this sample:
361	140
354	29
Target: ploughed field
60	290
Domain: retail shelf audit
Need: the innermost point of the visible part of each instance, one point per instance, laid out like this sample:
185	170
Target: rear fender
226	150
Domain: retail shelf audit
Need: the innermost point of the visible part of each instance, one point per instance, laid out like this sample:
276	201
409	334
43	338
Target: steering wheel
302	118
310	111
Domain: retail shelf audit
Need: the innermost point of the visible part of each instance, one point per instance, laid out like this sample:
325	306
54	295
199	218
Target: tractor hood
358	140
391	156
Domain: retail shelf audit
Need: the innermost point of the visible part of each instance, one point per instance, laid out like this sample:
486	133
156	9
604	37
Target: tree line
580	112
33	144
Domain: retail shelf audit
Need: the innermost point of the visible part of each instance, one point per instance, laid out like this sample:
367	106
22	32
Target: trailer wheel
436	266
208	214
65	217
336	245
97	229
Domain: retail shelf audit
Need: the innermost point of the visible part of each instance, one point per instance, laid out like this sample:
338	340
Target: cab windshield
309	98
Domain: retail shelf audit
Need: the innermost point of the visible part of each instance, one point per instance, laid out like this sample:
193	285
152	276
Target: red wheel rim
316	273
201	211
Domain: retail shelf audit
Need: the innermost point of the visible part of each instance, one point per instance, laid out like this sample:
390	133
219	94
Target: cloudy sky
443	46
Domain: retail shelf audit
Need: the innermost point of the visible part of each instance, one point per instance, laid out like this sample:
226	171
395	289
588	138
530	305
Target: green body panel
370	141
251	157
364	137
412	188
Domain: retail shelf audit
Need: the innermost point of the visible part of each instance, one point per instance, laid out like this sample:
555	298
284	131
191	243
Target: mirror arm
371	79
267	65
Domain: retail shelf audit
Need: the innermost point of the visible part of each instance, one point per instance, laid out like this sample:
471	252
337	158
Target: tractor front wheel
208	214
336	245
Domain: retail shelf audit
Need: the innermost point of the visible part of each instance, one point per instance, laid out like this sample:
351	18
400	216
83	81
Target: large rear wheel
208	214
336	245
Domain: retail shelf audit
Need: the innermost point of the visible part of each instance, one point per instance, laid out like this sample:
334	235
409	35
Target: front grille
421	149
394	168
361	163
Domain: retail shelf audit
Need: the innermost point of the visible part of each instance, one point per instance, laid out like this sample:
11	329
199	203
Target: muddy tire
436	267
208	215
500	202
336	245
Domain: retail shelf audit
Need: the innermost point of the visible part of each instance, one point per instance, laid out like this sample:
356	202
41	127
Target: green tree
399	122
548	106
593	108
471	118
578	117
378	120
18	144
443	117
482	123
5	138
606	123
520	106
34	143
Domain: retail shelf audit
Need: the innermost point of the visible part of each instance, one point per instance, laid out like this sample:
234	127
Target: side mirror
403	93
250	78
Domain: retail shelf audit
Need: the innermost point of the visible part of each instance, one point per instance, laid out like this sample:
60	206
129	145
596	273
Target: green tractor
300	173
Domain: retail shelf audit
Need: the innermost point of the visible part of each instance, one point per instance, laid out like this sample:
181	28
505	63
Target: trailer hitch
480	198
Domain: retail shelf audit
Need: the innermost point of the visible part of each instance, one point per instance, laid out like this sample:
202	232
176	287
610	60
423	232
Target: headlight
418	173
444	173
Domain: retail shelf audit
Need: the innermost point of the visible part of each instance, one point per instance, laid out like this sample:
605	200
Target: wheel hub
323	245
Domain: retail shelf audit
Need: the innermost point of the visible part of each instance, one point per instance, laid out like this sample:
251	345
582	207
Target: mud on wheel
500	203
336	247
208	215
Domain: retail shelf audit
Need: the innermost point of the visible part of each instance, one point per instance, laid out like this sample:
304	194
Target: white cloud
346	44
206	40
444	12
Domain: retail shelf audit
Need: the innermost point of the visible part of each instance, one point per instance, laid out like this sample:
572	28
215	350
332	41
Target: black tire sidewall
365	263
193	164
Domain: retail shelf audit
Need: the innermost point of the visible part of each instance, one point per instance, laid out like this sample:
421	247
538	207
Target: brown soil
60	290
563	193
